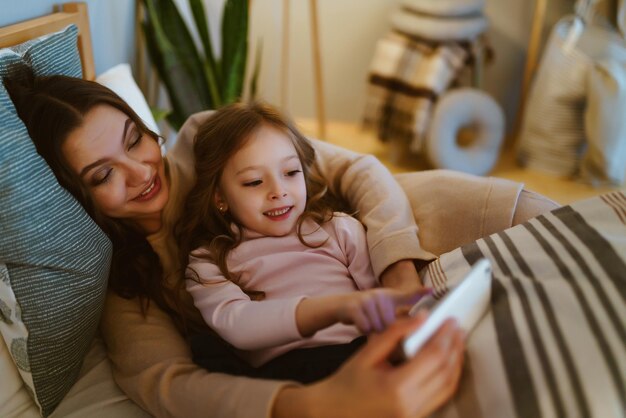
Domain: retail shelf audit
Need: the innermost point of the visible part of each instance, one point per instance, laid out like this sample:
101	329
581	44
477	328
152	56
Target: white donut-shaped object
465	108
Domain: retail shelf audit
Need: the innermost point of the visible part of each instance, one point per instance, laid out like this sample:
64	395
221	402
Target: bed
552	344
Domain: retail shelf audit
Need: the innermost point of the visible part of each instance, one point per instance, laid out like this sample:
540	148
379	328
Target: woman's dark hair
218	139
52	107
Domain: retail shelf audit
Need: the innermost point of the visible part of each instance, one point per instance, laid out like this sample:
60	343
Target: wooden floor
352	137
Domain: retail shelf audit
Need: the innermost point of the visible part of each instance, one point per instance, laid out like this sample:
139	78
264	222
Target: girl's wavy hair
52	107
218	139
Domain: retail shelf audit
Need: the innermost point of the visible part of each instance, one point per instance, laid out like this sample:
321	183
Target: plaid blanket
554	341
406	78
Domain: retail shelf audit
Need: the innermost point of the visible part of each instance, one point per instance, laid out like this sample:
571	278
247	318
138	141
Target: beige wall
348	33
349	30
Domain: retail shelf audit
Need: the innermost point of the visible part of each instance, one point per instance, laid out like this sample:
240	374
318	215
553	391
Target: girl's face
263	186
121	168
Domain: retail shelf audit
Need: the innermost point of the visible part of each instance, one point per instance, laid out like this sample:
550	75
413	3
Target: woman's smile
151	191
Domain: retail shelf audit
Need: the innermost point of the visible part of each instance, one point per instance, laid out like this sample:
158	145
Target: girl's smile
279	214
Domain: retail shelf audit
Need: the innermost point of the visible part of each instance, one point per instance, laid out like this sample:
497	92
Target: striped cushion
552	135
552	344
54	260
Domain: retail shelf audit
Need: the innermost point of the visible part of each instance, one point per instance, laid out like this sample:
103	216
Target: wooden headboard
68	13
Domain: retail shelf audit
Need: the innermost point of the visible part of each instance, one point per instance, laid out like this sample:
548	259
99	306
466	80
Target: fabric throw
406	78
552	343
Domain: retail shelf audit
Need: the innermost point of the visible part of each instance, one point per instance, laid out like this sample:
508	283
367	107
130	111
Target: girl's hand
367	385
376	309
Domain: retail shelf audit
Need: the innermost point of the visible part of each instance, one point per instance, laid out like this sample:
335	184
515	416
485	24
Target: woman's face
121	167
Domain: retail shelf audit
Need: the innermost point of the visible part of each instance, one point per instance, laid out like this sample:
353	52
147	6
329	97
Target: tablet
466	302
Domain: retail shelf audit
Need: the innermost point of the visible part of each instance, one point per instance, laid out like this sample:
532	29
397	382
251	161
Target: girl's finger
370	309
387	311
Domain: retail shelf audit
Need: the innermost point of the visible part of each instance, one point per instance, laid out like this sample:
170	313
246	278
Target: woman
106	157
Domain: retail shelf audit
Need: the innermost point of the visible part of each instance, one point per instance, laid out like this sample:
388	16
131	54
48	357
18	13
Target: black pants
303	365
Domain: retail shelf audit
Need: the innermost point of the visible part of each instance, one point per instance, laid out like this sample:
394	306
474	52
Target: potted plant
198	80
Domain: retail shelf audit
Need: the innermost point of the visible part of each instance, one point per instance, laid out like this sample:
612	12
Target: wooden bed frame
67	13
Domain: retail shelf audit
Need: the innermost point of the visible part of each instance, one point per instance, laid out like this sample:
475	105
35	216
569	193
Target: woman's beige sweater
152	360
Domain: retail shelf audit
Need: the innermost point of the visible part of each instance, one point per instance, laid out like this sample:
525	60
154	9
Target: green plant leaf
159	114
233	85
176	58
254	78
211	67
177	115
234	48
196	81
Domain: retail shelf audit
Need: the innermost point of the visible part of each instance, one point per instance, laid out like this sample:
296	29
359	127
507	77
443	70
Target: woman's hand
375	310
367	385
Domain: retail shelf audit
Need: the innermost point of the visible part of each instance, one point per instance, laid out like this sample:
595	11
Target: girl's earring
221	207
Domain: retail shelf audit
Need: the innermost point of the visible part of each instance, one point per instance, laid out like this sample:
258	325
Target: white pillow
14	399
120	80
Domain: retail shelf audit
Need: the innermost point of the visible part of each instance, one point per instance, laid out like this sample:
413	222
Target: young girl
273	270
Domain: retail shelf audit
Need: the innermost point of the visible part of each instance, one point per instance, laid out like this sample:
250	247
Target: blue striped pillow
54	260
